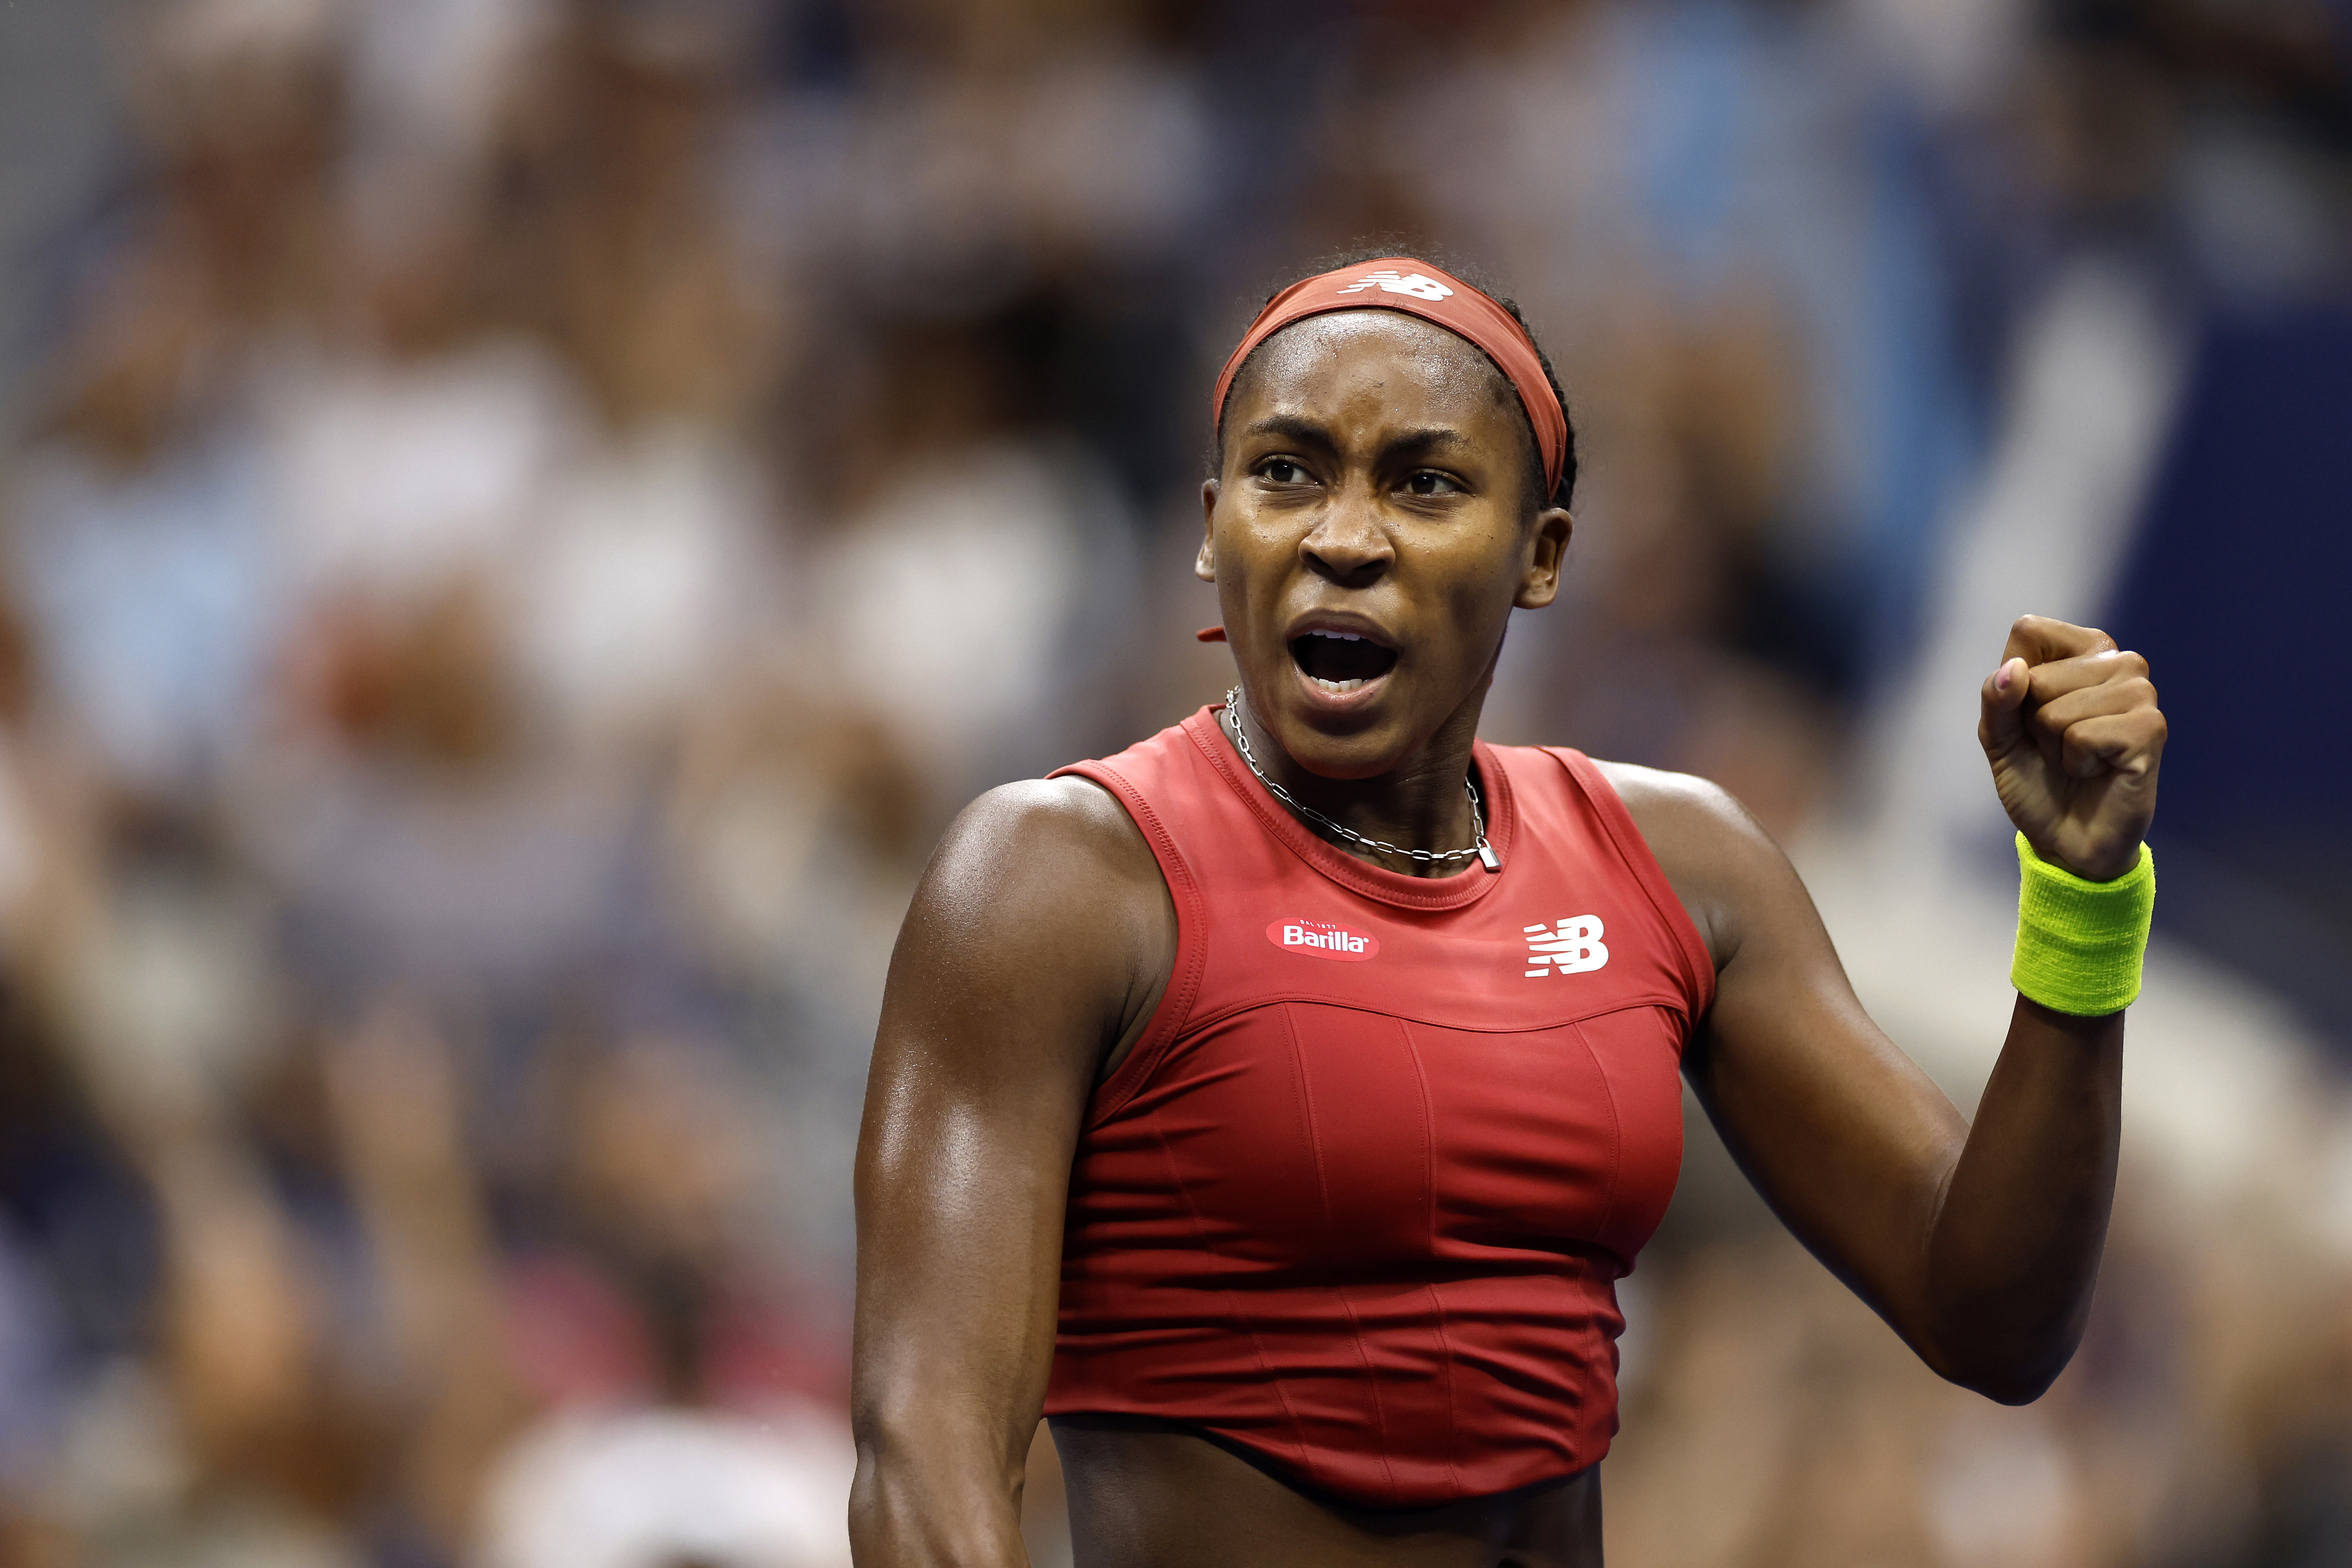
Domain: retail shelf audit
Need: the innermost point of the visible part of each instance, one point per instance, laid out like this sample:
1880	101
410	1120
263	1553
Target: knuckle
2135	663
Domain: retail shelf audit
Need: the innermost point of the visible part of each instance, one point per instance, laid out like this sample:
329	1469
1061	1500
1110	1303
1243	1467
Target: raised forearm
2014	1249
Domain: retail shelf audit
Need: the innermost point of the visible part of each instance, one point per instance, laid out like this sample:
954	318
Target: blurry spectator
663	1490
142	534
686	1425
949	603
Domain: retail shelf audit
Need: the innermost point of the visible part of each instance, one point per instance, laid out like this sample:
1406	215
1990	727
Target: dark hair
1477	277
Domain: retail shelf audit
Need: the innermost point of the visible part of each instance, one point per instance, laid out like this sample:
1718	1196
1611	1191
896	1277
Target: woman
1276	1104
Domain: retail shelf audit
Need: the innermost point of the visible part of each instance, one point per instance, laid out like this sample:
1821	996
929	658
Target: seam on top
1169	1018
1323	1189
1616	1144
1306	1459
1665	999
1697	963
1306	1109
1429	1286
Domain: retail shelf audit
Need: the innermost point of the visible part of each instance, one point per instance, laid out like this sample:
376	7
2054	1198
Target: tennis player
1276	1104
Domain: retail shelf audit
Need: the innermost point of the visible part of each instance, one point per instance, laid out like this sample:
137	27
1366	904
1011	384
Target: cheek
1476	578
1251	558
1258	544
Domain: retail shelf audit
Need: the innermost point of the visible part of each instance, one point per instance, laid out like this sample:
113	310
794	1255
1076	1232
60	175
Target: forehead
1353	364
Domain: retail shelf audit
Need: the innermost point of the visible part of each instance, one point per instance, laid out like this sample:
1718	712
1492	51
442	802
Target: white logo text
1418	285
1570	946
1321	938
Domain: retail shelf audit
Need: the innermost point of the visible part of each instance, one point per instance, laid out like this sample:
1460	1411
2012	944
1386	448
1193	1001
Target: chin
1355	736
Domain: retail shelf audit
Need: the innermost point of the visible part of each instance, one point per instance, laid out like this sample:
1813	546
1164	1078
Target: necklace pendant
1488	858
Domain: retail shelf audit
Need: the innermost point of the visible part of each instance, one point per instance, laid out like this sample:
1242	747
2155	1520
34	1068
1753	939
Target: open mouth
1340	662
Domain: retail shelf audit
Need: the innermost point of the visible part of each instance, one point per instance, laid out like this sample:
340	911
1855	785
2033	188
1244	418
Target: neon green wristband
2079	944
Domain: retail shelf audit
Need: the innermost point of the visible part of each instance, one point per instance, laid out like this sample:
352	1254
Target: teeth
1336	685
1336	636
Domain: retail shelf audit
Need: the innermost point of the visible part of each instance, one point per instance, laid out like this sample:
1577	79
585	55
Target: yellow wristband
2080	944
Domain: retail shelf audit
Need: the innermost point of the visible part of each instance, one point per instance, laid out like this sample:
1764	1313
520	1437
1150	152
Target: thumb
2003	725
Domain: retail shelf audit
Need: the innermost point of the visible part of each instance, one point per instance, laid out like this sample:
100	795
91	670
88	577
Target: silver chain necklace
1479	846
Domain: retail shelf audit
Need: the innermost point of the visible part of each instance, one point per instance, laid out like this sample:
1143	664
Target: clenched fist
2072	731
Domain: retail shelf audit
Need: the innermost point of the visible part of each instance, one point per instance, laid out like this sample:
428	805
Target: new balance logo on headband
1574	945
1419	285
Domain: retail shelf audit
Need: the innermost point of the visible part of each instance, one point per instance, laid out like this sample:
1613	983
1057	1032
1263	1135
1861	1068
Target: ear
1204	565
1539	586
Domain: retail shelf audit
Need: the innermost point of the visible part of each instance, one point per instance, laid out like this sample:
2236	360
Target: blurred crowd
532	514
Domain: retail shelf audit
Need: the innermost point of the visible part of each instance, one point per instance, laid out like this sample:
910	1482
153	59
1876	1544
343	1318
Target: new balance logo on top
1419	285
1566	947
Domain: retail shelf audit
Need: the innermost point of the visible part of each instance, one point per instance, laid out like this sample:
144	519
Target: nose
1348	545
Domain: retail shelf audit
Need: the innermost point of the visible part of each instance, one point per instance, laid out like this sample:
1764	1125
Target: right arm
1035	953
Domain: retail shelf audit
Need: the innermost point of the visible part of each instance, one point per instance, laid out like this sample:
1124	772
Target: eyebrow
1290	427
1307	432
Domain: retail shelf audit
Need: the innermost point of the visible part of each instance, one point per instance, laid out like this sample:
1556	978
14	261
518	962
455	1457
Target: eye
1429	483
1281	471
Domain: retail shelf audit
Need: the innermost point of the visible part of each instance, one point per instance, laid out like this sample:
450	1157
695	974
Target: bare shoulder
1025	955
1059	838
1719	859
1682	806
1039	881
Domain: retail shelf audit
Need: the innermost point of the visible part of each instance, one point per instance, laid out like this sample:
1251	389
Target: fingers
2072	729
2004	694
2107	667
2128	744
2036	703
2038	639
2054	724
2106	697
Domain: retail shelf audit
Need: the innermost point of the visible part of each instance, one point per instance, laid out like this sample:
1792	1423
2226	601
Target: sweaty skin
1374	480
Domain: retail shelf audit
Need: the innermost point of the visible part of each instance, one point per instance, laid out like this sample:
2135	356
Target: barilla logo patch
1319	939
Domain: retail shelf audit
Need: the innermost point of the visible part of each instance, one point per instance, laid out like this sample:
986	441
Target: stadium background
523	517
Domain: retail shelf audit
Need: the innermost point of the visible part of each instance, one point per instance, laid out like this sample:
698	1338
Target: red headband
1418	289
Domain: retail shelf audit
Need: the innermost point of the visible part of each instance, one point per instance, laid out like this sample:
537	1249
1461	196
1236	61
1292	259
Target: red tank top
1358	1200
